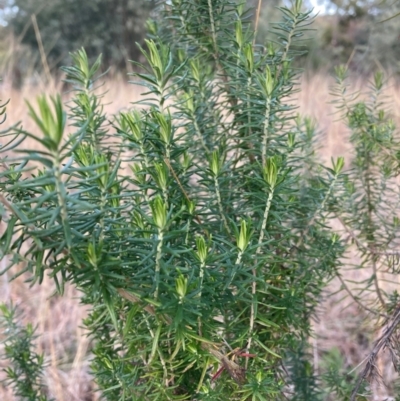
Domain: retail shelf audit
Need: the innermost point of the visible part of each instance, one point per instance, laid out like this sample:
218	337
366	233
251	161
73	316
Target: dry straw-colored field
58	319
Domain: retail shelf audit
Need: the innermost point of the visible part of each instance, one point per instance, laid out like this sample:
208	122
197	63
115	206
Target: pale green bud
159	212
271	172
244	236
202	248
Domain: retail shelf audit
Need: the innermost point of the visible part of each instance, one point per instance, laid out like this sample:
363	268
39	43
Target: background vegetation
347	32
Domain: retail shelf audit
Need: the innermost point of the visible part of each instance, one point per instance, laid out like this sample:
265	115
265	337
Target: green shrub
197	228
368	213
26	368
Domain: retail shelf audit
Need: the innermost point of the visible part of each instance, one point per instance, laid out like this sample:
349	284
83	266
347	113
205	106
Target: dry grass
59	318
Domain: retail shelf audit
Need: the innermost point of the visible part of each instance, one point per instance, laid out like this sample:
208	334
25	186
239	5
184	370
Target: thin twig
41	48
351	233
373	252
257	21
134	299
168	163
357	301
376	281
380	343
254	270
363	246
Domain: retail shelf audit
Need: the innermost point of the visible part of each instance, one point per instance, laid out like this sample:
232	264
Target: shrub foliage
196	226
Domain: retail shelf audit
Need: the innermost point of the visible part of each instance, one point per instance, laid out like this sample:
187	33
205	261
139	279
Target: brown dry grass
59	318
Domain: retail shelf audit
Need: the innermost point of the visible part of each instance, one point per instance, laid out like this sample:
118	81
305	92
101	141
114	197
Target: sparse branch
382	342
356	300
